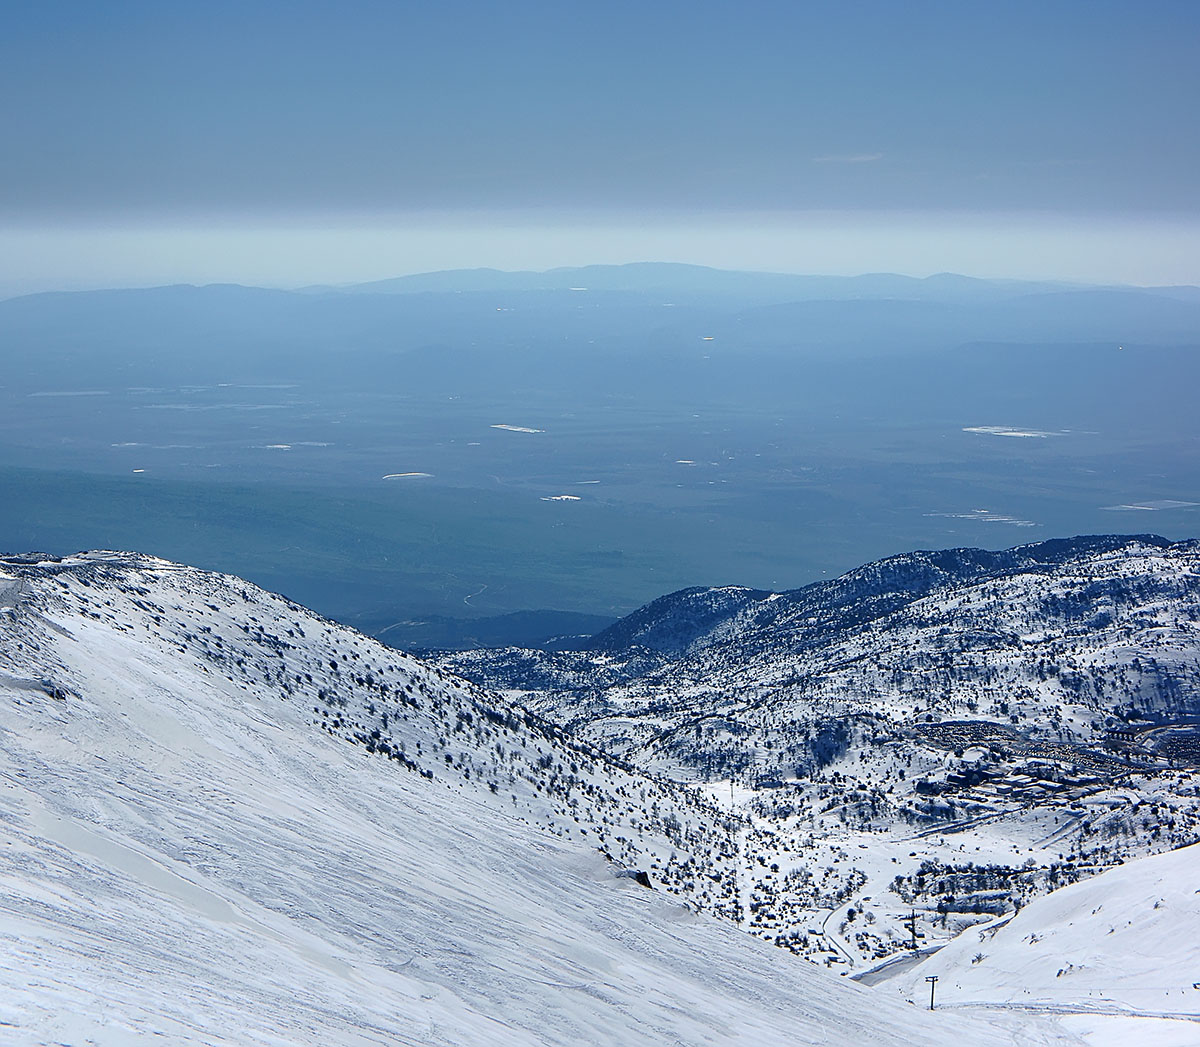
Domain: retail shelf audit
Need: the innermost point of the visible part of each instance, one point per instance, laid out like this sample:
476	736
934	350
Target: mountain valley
395	851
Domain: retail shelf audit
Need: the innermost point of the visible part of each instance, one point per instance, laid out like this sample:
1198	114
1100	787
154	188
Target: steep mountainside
355	689
228	821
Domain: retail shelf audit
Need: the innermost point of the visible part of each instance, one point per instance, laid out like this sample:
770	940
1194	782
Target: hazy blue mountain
696	279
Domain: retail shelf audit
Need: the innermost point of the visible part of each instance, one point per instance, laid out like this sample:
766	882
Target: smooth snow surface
186	858
1121	951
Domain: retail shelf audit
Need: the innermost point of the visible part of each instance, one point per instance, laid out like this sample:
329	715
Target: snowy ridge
1052	638
201	848
390	704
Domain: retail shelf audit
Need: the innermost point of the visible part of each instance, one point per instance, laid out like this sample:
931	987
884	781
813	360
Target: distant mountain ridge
442	327
687	277
676	276
1057	636
681	622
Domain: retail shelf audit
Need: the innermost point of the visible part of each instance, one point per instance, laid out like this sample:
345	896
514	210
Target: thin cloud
848	158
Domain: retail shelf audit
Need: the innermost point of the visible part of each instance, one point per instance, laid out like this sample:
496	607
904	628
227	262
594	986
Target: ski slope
1118	953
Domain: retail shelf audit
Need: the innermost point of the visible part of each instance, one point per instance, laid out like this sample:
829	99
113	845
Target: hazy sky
299	140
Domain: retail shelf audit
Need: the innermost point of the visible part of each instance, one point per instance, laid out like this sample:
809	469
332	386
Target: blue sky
141	137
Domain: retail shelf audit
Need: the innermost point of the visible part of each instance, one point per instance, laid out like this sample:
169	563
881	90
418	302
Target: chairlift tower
912	927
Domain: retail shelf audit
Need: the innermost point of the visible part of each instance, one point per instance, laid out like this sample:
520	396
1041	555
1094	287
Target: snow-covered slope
948	732
227	821
1053	637
1124	943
